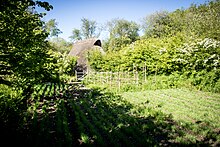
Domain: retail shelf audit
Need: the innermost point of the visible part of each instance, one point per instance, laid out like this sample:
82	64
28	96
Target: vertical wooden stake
87	76
76	75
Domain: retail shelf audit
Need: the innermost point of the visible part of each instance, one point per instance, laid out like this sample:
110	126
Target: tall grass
198	81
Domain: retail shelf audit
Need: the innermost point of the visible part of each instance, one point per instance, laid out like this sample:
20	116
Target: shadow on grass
110	121
91	117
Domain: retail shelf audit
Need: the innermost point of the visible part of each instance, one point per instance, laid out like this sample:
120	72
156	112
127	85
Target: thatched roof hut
80	49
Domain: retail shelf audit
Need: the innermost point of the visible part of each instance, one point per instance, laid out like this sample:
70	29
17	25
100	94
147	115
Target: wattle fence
132	80
122	81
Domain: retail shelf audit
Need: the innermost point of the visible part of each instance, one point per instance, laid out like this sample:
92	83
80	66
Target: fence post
76	75
87	76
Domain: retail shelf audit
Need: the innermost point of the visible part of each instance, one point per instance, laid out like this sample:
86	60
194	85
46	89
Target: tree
122	28
60	45
51	27
76	35
157	24
88	30
122	32
200	21
204	20
23	49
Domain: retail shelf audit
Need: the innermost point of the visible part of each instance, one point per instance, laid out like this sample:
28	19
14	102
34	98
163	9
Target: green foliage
200	62
76	35
183	41
204	19
25	61
23	48
62	64
133	82
157	25
10	102
207	81
180	49
122	32
200	55
155	53
60	45
51	28
95	59
12	108
201	21
192	58
88	30
123	28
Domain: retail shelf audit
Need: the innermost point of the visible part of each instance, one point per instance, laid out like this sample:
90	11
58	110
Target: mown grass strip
181	103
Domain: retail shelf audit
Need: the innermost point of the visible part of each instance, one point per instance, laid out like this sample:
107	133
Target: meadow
184	105
197	110
71	115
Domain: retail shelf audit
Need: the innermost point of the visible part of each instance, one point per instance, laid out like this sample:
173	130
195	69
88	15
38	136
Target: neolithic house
80	50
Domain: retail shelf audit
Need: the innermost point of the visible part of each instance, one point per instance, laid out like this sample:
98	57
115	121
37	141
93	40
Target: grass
183	104
63	115
196	112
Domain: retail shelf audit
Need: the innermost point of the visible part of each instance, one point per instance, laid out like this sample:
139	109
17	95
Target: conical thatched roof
80	49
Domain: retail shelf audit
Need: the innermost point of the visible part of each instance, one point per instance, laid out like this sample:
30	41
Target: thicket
184	43
26	60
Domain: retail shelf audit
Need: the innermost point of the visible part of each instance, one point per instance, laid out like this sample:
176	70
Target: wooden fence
119	79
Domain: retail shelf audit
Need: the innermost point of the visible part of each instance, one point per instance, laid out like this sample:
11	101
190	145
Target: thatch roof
80	49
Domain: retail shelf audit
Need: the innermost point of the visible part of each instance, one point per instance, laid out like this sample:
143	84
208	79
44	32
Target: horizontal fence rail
120	80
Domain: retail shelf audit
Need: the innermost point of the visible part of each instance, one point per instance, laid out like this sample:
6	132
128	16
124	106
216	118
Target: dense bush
23	48
183	41
25	59
200	55
192	58
63	64
155	53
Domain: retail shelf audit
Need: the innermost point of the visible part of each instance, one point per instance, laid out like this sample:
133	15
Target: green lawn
63	115
183	104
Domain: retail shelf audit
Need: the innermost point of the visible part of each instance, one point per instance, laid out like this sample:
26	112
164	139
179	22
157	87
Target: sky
68	13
